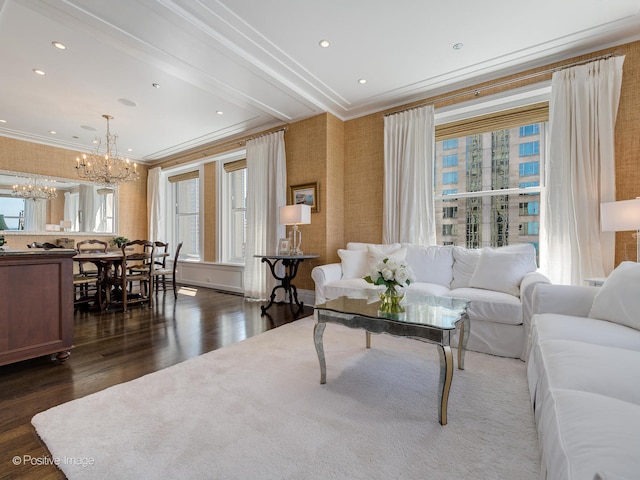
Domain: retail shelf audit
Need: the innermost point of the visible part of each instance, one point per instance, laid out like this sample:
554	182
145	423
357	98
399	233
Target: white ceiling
259	62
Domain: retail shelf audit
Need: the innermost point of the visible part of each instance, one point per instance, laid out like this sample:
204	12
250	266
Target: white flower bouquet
391	273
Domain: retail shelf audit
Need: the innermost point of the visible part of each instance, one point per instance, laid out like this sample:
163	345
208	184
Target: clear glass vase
390	300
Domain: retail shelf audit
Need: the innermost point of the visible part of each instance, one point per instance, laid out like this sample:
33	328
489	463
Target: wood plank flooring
115	347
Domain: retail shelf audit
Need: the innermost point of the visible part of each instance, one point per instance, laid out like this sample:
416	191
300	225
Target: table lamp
622	216
295	215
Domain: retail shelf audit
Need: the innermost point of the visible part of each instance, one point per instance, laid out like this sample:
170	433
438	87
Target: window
186	225
449	177
13	211
234	204
529	228
450	144
481	203
449	212
528	130
449	230
450	160
529	208
528	169
529	148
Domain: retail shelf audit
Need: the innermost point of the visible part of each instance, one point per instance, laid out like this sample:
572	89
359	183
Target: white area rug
256	410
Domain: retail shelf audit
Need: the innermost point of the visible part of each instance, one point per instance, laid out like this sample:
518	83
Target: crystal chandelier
106	168
35	189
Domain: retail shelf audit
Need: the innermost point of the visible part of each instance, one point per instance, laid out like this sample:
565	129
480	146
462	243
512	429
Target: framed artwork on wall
306	194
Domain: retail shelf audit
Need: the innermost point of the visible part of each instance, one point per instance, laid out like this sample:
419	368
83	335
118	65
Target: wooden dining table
105	263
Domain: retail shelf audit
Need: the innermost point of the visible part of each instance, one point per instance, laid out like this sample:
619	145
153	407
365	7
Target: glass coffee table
427	318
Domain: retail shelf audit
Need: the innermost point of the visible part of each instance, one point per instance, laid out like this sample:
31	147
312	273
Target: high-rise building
488	187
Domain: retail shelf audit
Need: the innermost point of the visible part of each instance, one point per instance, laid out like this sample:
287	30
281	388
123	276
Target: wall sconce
620	217
295	215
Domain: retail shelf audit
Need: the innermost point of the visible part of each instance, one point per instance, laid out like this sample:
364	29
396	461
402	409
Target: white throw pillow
354	263
617	299
385	247
464	264
431	264
376	255
502	269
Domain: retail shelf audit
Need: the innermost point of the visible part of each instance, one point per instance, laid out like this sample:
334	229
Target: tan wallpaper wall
210	213
21	156
306	150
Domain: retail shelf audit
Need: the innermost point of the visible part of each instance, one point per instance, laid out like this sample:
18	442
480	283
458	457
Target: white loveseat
583	371
498	281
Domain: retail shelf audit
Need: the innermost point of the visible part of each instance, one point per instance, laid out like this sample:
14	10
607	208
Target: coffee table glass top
420	309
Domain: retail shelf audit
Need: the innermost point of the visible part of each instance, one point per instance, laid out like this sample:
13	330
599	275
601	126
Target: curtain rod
476	91
241	142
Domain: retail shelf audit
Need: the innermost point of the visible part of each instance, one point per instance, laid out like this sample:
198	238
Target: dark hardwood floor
115	347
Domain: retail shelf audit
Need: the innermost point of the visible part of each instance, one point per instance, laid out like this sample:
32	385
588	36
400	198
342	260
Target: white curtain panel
154	205
35	215
266	192
71	210
581	171
409	213
89	208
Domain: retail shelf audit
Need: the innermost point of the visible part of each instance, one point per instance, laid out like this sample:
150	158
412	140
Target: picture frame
306	194
284	246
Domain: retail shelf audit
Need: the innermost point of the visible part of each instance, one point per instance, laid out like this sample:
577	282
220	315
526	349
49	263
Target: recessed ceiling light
88	127
129	149
155	85
52	132
3	121
324	43
38	71
458	46
95	140
220	112
127	102
362	81
59	45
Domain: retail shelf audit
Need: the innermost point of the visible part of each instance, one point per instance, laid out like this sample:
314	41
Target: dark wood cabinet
36	304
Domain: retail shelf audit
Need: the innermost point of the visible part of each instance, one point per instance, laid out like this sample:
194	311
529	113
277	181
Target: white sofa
583	372
498	281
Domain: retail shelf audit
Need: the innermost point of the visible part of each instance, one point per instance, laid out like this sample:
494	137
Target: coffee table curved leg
318	331
446	374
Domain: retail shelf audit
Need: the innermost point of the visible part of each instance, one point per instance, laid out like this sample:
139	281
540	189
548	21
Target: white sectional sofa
498	281
583	372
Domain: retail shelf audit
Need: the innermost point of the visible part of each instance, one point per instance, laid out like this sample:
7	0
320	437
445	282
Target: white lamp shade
620	216
295	214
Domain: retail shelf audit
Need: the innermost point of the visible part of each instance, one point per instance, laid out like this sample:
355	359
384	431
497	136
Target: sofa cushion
346	287
572	365
355	263
618	300
551	326
432	264
490	306
582	433
428	288
502	269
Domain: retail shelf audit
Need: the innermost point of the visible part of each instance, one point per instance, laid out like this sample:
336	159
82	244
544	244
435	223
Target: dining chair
132	280
86	282
166	277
